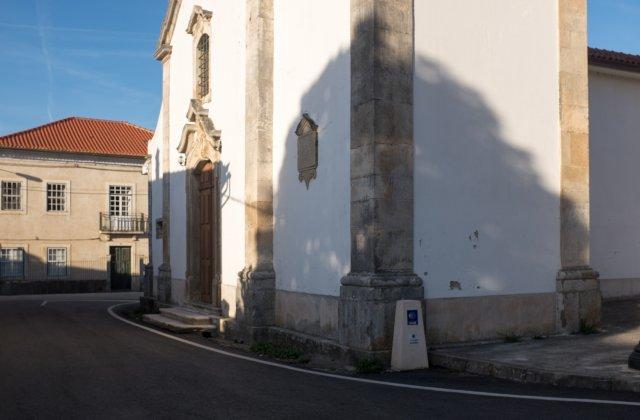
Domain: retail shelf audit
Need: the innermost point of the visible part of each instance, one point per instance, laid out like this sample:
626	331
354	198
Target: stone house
310	169
73	207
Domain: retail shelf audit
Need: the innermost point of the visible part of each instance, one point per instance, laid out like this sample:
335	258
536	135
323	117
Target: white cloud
41	16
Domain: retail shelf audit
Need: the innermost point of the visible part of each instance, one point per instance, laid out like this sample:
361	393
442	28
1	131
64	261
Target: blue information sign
412	317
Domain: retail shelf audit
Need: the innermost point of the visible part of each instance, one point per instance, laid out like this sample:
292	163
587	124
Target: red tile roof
614	59
82	135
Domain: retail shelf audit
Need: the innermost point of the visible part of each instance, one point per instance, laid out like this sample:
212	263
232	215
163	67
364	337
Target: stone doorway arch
201	146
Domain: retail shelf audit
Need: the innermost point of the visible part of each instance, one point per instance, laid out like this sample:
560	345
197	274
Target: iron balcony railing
136	223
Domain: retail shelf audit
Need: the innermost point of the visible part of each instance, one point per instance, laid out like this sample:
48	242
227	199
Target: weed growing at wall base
279	352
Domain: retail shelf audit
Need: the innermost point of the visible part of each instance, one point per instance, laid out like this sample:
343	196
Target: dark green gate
120	267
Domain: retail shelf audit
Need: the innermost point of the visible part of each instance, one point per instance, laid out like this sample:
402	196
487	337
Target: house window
11	195
57	262
11	263
203	66
56	197
120	200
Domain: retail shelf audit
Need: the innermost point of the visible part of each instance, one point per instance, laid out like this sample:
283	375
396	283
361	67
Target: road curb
527	374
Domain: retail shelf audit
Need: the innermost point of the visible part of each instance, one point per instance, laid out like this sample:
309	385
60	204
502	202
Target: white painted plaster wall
180	93
227	109
311	74
487	152
615	170
154	148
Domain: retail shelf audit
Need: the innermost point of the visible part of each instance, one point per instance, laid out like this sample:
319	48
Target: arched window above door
202	70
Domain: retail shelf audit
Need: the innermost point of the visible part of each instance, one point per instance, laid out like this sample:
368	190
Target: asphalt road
71	359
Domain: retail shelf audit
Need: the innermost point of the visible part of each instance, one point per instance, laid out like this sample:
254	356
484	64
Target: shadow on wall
311	237
486	221
32	275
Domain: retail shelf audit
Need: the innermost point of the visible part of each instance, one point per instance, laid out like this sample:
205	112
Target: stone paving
597	361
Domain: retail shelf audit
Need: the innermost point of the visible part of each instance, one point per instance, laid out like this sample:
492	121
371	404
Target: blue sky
78	57
95	57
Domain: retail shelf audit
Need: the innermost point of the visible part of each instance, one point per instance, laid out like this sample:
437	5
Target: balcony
134	224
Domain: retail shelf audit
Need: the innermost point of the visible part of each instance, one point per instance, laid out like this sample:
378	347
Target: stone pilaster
578	293
164	271
256	284
381	175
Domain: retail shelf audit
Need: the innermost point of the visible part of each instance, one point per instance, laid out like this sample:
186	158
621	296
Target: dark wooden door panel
206	232
120	261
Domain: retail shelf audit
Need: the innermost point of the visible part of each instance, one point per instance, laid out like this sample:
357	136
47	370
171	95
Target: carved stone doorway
200	143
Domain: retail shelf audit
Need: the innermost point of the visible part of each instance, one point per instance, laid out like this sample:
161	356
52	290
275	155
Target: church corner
309	170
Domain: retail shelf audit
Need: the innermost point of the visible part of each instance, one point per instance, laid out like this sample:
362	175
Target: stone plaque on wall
307	132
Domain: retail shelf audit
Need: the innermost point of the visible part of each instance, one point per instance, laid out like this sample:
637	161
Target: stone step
174	325
203	308
187	316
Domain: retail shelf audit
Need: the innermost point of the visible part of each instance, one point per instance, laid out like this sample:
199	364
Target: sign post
409	345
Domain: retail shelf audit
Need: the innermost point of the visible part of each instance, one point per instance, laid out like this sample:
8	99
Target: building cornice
22	156
163	48
198	14
610	71
163	53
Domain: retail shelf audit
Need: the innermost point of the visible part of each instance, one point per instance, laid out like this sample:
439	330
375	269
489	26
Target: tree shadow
486	209
486	223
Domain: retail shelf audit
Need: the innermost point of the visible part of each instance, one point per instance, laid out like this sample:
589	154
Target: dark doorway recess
209	243
120	265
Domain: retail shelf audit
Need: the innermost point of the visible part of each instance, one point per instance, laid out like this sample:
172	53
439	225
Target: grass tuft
368	366
273	350
587	329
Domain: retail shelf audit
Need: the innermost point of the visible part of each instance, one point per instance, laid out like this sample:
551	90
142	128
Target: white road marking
368	381
44	302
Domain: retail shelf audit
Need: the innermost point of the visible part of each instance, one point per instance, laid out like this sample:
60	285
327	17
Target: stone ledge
530	375
318	345
382	280
577	273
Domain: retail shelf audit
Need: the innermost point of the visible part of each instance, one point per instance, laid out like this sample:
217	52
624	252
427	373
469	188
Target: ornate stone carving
200	140
199	16
307	132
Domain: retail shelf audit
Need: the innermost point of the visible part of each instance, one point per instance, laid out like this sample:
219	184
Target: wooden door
207	190
120	267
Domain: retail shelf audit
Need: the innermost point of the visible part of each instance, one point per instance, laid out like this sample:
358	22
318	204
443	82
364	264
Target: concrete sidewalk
596	361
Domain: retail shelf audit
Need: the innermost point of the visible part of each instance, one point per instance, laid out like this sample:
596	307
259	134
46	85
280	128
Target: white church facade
314	162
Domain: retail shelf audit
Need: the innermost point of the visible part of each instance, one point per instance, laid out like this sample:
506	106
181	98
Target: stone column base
634	358
578	299
366	311
164	283
255	303
147	287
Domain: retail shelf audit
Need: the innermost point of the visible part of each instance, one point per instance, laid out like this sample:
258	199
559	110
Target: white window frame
66	261
67	197
132	201
23	262
23	195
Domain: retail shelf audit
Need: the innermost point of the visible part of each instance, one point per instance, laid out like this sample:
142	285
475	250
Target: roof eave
630	72
24	149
